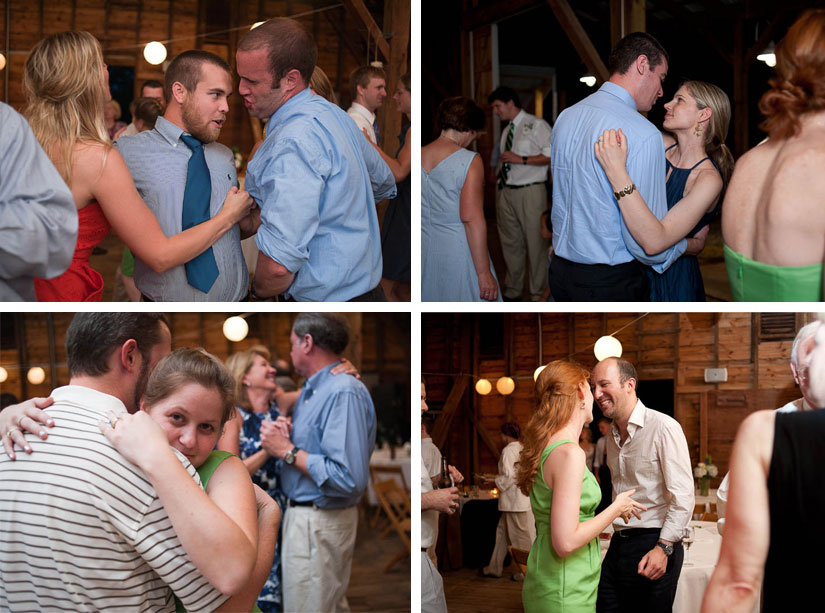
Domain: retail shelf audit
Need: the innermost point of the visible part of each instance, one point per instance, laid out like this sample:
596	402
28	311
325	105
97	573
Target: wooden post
397	17
626	16
740	91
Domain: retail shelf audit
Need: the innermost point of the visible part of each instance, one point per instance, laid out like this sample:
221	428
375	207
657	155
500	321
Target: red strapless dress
80	282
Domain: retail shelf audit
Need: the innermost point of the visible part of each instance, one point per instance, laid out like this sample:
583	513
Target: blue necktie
377	132
202	271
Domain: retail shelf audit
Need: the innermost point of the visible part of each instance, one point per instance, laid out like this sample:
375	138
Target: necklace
455	142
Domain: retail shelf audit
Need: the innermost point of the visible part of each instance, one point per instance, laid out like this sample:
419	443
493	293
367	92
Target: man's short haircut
288	47
147	110
186	69
626	369
329	332
151	83
92	337
362	76
632	46
504	94
511	429
804	332
460	114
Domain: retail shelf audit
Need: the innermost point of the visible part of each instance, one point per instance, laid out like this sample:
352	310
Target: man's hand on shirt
654	564
697	243
509	156
251	222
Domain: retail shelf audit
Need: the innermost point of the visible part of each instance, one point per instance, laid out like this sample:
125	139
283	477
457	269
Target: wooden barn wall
379	345
662	346
124	26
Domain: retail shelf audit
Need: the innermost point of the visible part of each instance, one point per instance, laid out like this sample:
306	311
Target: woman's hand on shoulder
137	437
611	151
28	416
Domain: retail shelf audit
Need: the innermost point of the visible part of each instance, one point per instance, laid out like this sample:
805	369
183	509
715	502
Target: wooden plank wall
124	26
379	345
677	346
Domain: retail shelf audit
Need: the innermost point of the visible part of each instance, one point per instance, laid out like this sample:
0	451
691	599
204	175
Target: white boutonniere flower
527	127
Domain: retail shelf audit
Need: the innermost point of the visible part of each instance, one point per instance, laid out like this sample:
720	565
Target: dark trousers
573	282
623	589
606	485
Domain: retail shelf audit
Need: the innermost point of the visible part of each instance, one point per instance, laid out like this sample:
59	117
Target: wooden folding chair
699	510
382	473
519	557
396	505
710	517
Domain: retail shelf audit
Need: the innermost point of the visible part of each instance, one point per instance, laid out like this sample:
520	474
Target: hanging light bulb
768	55
505	386
4	374
484	387
36	375
154	52
588	80
235	328
607	347
537	372
2	61
256	24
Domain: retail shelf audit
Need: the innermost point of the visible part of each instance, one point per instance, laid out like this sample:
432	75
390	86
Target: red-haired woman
564	564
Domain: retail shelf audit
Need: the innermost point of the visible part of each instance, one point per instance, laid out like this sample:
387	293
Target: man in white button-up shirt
516	526
368	85
646	451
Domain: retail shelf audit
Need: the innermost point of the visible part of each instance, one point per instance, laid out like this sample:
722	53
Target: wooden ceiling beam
442	426
493	12
359	8
578	37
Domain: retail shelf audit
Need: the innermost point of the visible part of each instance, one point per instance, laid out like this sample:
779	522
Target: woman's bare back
773	211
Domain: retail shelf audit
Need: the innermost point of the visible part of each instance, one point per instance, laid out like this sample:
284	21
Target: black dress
395	232
796	493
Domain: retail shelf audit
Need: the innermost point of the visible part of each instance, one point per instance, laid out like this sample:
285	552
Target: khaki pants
518	216
516	528
432	588
316	558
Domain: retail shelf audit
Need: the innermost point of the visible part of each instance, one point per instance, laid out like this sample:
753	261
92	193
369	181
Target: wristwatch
628	189
668	549
523	159
290	456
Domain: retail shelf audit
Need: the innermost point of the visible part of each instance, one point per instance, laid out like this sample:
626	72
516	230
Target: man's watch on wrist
668	549
523	159
290	456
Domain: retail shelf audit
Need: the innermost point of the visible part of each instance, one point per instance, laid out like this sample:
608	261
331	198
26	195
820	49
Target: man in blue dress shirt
315	177
326	467
596	258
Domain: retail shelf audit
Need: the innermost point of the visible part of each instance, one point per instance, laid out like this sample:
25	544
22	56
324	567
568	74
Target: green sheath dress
554	584
752	281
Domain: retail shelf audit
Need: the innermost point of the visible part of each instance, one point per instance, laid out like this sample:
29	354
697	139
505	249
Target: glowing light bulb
607	347
154	52
36	375
537	372
235	328
505	386
484	387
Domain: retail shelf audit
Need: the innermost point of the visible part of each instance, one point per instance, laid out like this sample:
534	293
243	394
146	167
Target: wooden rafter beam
442	426
485	435
493	12
359	8
578	37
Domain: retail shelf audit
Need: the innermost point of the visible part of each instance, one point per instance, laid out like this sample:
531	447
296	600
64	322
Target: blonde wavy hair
556	389
65	92
238	365
707	95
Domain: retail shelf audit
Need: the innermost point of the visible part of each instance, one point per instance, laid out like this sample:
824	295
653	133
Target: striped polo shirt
82	529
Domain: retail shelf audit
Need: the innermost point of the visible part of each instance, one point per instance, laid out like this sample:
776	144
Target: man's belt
527	185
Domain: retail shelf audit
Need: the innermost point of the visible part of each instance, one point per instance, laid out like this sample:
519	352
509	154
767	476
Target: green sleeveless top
753	281
553	583
205	471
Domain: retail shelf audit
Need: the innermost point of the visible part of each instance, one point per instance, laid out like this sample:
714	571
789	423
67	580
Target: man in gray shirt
198	84
38	216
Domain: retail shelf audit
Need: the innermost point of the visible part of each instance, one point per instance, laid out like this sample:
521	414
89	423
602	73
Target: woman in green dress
564	564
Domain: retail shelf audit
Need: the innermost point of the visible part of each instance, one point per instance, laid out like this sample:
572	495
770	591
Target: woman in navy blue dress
698	168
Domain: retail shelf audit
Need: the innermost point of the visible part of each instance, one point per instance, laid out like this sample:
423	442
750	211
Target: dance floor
467	592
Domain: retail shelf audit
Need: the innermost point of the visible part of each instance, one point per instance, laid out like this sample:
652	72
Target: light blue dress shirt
316	179
158	161
588	227
334	422
38	216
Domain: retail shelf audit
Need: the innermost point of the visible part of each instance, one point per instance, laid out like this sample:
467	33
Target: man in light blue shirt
38	230
315	177
198	84
326	467
596	258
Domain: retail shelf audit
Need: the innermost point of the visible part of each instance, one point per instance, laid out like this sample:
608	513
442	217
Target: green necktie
505	166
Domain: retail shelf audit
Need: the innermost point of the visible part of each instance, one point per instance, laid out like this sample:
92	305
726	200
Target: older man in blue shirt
315	177
596	258
326	467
